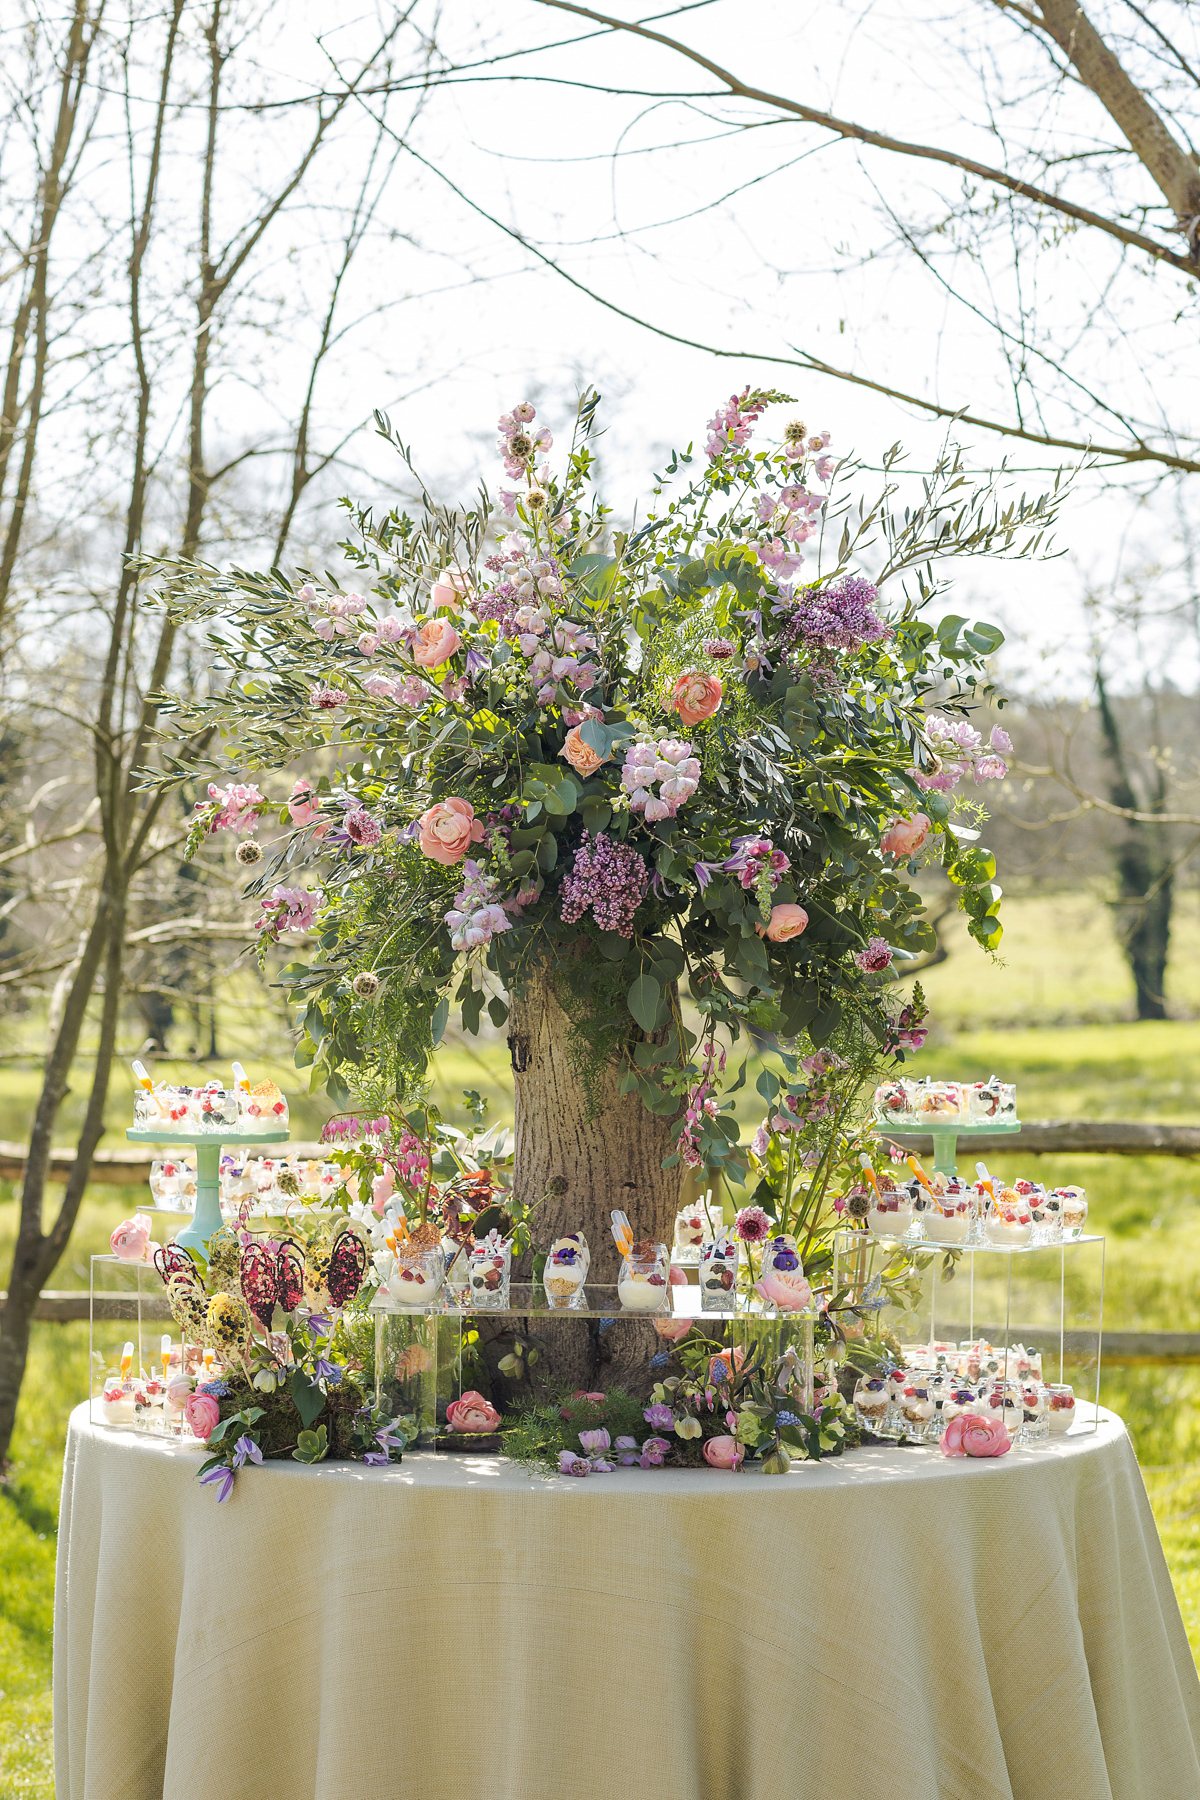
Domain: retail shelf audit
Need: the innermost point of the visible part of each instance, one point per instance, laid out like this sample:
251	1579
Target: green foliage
519	702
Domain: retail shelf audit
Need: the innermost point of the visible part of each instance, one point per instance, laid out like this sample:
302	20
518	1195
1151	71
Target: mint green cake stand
945	1138
208	1147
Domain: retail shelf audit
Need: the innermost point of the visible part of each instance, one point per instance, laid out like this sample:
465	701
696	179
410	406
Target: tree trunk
610	1160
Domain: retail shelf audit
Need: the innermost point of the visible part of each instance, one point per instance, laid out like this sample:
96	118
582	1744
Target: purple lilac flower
660	1416
222	1479
839	617
609	878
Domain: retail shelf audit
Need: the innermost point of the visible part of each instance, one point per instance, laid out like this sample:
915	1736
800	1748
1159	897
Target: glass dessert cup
940	1100
1046	1212
891	1215
692	1228
416	1277
918	1410
958	1397
718	1273
873	1406
1009	1223
894	1102
1003	1400
947	1219
489	1272
642	1283
1035	1426
990	1101
567	1264
1075	1210
1060	1415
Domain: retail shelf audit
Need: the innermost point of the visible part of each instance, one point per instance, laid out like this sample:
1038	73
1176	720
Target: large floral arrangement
691	766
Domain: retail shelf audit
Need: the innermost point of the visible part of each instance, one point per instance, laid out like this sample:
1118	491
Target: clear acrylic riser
426	1357
1048	1297
127	1305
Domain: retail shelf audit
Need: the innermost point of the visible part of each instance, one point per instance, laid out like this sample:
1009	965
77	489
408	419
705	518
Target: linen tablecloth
890	1625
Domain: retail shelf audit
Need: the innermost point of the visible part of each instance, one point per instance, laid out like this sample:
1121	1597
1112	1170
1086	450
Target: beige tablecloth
890	1626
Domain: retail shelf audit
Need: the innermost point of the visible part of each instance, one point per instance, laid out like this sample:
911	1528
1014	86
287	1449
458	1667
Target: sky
721	224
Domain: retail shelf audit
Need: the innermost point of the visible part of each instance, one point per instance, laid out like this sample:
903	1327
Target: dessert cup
1009	1223
1061	1410
566	1270
718	1273
1035	1428
416	1277
891	1214
642	1283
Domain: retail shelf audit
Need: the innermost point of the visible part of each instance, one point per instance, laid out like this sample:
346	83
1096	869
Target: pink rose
696	696
904	837
970	1435
582	758
723	1453
201	1415
472	1413
787	921
435	643
449	588
131	1240
448	830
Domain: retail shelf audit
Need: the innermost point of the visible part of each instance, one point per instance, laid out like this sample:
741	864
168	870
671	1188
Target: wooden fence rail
1038	1137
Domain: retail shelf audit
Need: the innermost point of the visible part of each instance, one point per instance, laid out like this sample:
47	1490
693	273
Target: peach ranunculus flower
787	921
582	758
723	1453
472	1413
969	1435
435	643
131	1239
202	1415
448	829
904	837
696	696
449	588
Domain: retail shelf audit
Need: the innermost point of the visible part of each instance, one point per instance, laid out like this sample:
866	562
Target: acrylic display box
1044	1297
425	1358
128	1319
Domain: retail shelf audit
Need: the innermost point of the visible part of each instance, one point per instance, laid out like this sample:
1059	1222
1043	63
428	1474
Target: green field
1091	1063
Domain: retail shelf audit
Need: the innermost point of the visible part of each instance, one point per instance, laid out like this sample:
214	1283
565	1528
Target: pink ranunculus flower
904	837
131	1239
201	1415
583	1394
582	758
472	1413
449	588
786	1289
448	829
787	921
969	1435
696	696
672	1331
435	643
723	1453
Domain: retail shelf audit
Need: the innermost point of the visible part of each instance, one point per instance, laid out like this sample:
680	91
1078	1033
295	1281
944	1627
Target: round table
890	1624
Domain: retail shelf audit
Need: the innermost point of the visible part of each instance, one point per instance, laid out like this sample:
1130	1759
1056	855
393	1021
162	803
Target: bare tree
120	834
